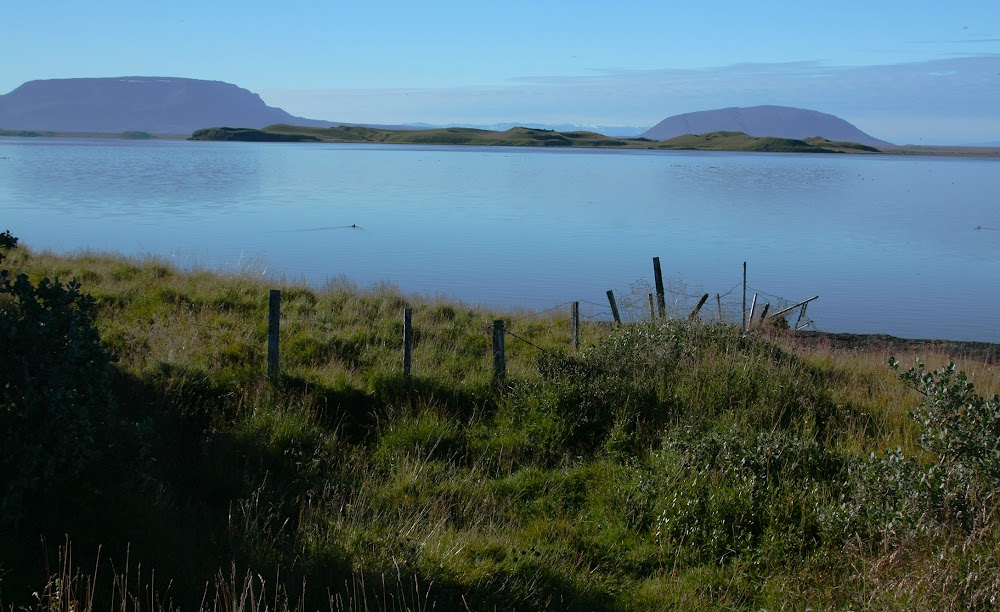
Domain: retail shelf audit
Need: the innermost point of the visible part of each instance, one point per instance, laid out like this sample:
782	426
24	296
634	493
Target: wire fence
640	303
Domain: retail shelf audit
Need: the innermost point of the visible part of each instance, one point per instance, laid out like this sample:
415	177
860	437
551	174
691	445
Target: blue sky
909	72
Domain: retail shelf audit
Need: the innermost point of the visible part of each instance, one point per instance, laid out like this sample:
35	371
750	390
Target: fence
638	305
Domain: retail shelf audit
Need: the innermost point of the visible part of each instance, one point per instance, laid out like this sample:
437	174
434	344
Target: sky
910	72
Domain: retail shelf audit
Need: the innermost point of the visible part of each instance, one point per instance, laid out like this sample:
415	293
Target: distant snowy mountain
778	121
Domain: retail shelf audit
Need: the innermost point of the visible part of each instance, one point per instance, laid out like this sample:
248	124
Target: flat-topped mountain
774	121
159	105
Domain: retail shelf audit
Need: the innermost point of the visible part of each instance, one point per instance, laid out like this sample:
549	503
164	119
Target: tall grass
669	464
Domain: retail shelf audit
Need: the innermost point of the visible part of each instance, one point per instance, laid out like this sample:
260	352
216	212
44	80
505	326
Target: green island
130	135
150	463
527	137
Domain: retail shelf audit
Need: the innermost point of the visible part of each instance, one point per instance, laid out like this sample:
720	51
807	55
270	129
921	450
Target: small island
527	137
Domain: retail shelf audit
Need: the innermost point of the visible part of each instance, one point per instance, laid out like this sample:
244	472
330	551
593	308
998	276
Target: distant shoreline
533	137
523	137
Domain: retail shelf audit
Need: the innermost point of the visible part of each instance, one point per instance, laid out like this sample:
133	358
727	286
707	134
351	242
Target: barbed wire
528	342
734	287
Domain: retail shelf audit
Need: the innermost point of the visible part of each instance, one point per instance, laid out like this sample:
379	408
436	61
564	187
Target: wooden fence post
273	322
763	313
753	306
574	325
718	302
802	314
744	296
499	362
661	300
614	307
407	340
701	302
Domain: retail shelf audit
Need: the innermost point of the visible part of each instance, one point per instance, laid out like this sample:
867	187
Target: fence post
802	314
753	306
614	307
574	325
407	340
652	310
763	313
273	321
661	300
701	302
744	296
718	302
499	362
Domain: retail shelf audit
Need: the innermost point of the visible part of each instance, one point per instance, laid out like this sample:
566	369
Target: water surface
888	242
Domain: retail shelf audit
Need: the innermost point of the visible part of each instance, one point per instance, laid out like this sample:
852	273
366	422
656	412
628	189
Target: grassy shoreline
674	465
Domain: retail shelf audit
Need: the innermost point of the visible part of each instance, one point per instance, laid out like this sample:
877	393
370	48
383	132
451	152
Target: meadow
151	464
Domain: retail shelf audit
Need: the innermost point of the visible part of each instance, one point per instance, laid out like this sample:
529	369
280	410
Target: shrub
896	496
959	426
55	398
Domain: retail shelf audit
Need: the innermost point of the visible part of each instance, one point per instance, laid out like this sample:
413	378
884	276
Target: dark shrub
55	398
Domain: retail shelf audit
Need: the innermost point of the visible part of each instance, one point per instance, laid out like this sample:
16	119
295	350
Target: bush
959	426
953	485
55	397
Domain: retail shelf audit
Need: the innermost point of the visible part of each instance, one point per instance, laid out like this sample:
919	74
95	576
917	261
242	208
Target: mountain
775	121
158	105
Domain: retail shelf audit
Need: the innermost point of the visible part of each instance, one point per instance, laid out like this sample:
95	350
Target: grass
667	465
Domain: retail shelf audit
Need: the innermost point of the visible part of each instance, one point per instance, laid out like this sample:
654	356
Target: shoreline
987	351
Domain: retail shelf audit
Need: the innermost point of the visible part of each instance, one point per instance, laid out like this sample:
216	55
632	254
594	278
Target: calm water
889	243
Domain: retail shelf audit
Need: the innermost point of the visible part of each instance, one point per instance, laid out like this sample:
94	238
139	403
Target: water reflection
888	242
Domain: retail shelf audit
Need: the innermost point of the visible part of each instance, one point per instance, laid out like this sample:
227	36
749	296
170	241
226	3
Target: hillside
527	137
775	121
514	137
738	141
158	105
661	465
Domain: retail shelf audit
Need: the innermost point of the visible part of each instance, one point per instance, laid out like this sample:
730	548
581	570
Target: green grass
668	465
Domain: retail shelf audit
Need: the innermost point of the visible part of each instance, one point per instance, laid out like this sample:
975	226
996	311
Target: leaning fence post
273	321
802	314
763	313
407	340
701	302
718	302
574	325
661	299
499	362
614	307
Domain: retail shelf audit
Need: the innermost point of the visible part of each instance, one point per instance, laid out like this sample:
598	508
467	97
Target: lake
892	244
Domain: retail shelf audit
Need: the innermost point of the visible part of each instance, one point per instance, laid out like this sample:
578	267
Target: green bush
55	397
959	426
952	485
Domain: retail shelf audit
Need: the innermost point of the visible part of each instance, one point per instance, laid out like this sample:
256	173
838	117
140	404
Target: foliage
672	465
961	429
756	496
890	496
959	426
7	241
55	397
